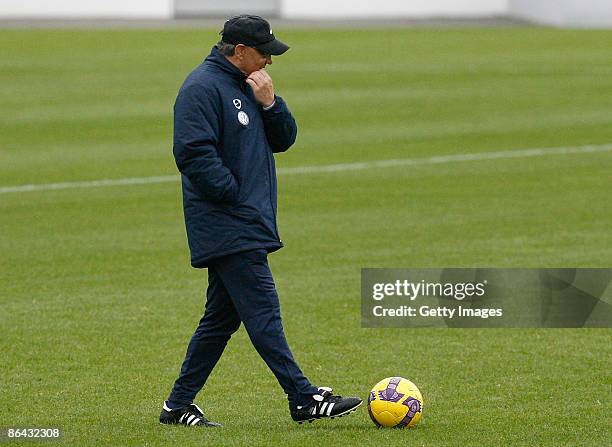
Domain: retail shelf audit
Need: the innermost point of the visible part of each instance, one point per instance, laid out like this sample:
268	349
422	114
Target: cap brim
274	47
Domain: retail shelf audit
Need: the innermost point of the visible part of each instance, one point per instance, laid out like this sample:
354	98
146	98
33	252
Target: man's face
251	59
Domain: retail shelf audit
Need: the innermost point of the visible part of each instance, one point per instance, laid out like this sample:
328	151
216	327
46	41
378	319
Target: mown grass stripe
376	164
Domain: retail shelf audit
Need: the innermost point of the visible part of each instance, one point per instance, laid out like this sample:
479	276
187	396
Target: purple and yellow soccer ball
395	402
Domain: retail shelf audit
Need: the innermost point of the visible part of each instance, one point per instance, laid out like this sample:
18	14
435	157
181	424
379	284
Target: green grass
98	301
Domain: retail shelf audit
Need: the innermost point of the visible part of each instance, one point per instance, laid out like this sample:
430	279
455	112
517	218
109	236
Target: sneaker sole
183	425
344	413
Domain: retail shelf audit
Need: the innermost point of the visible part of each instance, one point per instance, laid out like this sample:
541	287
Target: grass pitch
98	301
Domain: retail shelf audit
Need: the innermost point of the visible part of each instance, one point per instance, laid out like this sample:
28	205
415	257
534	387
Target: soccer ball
395	402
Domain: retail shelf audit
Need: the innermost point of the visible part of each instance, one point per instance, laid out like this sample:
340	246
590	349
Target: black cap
252	31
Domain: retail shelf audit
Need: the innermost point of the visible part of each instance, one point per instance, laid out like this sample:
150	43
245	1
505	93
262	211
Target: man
227	124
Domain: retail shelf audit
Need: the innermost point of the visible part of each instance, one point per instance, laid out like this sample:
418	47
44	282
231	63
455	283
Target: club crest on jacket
243	118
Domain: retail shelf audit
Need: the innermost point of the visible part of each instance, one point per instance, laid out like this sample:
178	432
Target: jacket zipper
270	177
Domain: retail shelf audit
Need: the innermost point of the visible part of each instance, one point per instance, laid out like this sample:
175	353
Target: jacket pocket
243	212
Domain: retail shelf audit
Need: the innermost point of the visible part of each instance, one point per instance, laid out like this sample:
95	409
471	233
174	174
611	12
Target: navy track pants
240	289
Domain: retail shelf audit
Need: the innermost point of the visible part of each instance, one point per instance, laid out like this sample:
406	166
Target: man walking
227	124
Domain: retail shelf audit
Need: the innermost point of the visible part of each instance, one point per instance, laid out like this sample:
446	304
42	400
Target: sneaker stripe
182	418
195	421
191	418
322	410
329	409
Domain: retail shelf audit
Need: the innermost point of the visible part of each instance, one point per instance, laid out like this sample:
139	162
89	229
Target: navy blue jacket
223	147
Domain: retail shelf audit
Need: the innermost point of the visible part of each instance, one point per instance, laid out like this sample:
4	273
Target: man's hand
261	83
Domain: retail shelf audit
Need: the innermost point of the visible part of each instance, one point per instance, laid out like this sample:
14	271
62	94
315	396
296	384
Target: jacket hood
220	62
